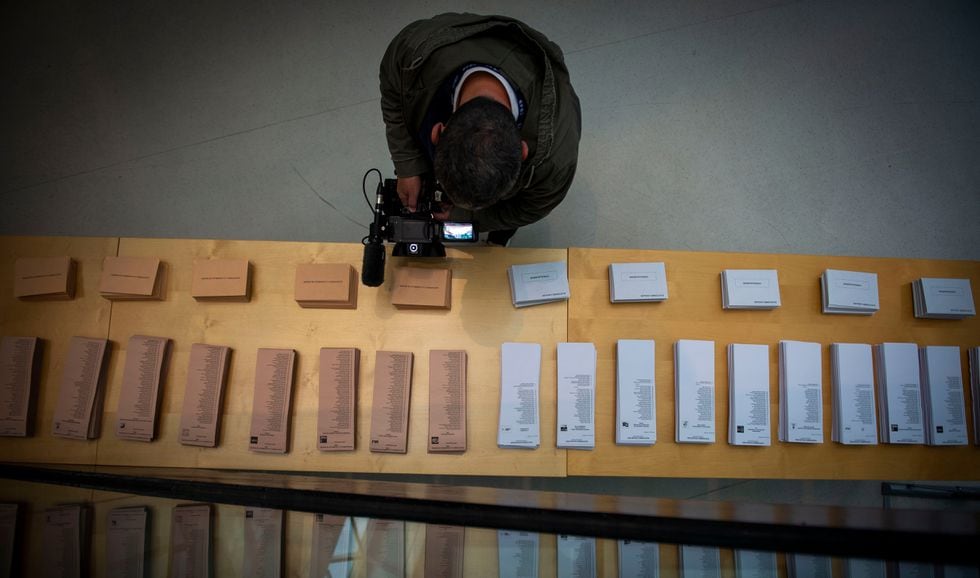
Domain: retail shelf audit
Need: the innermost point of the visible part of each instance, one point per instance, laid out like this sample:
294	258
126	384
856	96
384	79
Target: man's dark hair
478	158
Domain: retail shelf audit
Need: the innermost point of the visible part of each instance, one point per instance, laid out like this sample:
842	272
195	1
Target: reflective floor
61	530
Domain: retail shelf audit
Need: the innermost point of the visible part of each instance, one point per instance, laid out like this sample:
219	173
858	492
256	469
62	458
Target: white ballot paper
854	420
975	388
750	289
849	292
517	554
942	298
637	282
700	562
748	395
520	378
576	395
538	283
576	556
694	391
808	566
638	559
899	394
942	396
636	393
755	564
800	393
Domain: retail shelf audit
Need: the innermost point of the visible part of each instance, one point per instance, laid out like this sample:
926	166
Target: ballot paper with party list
943	400
800	392
207	373
636	394
576	395
899	394
78	410
337	410
20	373
271	400
392	397
748	395
853	392
694	391
519	423
139	396
975	389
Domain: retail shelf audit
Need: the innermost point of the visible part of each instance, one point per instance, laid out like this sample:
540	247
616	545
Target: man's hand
408	191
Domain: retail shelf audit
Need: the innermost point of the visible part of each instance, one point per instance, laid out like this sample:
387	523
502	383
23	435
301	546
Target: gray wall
828	127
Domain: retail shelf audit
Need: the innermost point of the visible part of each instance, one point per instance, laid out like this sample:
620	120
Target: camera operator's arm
408	158
527	206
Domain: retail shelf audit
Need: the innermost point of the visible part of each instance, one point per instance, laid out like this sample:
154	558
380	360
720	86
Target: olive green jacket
427	52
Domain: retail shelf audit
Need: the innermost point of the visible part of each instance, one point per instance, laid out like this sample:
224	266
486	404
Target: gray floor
821	127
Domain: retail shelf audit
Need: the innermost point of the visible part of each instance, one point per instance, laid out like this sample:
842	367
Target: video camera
415	234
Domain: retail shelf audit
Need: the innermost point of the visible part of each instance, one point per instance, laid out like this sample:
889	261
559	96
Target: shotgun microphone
373	264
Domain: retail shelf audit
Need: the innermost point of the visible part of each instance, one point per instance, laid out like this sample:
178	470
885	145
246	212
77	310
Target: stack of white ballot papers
694	391
899	394
800	393
576	395
538	283
637	282
852	386
520	377
849	292
975	388
749	289
942	396
748	395
636	392
942	298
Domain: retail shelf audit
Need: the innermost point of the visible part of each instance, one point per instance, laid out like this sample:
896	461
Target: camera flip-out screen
458	232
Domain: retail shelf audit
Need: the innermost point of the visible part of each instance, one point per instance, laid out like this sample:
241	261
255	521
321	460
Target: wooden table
481	318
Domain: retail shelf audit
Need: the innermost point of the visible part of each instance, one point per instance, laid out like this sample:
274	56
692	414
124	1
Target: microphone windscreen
373	266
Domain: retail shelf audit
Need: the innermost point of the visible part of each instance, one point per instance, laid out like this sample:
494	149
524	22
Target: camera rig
414	233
